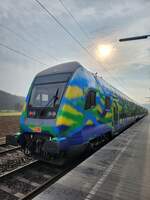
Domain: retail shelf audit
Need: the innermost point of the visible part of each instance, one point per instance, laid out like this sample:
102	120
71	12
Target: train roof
71	67
68	67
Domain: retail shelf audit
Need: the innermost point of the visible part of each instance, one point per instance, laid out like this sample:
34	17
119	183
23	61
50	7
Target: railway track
11	157
27	181
6	148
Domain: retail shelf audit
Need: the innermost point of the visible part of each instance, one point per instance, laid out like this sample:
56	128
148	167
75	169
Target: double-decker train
69	108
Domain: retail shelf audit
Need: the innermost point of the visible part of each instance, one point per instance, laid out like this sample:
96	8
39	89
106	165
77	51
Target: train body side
78	124
80	118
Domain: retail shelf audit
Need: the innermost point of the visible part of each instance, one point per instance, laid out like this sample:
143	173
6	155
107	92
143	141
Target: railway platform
120	171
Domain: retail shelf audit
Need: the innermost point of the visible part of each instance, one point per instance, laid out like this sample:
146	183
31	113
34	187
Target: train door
89	114
115	116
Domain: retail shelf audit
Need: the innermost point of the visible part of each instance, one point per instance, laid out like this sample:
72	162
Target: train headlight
32	113
52	114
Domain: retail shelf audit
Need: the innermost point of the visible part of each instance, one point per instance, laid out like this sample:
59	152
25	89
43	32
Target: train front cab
53	119
40	130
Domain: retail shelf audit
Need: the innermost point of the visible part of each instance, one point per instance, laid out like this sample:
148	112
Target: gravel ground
13	160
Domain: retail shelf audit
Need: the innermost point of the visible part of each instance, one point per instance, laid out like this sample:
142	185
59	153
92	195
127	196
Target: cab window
107	102
90	101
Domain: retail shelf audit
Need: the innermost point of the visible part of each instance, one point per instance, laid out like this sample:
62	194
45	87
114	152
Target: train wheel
27	152
109	136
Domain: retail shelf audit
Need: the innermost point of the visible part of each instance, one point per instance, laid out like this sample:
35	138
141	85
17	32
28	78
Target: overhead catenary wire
25	40
83	31
62	26
22	54
74	19
71	35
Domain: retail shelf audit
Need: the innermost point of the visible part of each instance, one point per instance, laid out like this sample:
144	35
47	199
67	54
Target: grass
6	113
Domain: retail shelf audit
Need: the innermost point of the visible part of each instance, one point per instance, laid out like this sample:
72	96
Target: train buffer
120	171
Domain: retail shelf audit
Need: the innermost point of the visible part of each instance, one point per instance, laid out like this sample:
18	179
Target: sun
104	51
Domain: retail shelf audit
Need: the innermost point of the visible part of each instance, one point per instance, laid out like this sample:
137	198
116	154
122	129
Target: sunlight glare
104	51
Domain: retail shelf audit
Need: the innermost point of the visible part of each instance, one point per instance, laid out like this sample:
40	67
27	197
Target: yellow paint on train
73	92
89	122
64	121
70	109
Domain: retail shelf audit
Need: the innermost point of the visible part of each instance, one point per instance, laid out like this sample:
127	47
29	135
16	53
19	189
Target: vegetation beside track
6	113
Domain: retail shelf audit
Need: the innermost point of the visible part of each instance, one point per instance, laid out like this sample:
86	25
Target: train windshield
46	95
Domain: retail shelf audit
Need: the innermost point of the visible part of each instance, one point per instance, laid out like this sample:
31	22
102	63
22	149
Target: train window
52	78
44	94
107	102
90	99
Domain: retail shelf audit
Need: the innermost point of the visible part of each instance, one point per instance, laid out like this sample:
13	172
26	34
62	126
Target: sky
31	41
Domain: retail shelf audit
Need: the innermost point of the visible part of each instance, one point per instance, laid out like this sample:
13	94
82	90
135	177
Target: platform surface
119	171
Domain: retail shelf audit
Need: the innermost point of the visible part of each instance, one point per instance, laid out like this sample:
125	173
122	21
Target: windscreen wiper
56	97
53	99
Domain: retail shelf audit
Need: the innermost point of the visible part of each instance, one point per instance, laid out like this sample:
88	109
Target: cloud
30	30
